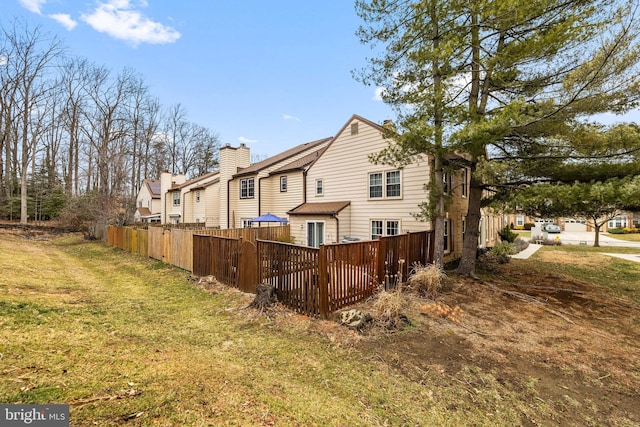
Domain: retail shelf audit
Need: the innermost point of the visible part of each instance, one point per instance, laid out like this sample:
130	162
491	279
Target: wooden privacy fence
231	261
174	245
294	271
313	281
410	248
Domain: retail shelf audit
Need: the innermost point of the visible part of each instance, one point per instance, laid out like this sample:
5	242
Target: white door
315	233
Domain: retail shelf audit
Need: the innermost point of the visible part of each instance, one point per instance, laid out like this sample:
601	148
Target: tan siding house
351	198
148	202
256	189
328	189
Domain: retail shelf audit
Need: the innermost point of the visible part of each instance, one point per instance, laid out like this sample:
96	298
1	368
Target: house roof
301	163
144	211
154	187
352	118
196	180
322	208
257	167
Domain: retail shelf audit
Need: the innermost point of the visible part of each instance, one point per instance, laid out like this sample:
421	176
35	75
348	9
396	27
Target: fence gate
248	267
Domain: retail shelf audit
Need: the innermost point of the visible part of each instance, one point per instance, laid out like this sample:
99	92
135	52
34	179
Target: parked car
551	228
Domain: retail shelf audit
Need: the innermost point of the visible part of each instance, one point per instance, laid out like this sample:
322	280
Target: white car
551	228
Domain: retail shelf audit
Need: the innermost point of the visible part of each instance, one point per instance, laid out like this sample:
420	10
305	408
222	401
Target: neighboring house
274	185
239	191
193	201
148	202
350	198
328	189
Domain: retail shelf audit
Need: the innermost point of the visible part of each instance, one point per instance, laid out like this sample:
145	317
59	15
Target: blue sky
272	74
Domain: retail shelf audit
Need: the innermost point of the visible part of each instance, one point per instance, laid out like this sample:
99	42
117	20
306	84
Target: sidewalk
531	249
628	257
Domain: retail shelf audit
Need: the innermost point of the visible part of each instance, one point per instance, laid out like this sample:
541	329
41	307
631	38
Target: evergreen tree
480	73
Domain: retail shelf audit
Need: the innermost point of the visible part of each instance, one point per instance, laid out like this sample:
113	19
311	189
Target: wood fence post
382	257
323	283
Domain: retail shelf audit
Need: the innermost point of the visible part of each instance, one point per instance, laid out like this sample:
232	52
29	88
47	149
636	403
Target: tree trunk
596	242
467	266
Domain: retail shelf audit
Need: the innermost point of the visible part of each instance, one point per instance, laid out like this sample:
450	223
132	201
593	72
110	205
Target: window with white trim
387	227
176	198
197	197
319	187
393	184
447	182
447	232
465	179
283	184
519	221
376	229
375	185
247	188
392	228
385	185
618	222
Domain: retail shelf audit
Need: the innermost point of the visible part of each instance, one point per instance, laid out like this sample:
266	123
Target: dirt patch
34	231
569	348
565	258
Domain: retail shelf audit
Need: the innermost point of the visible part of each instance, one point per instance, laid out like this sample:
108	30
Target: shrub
617	231
520	245
500	252
388	305
427	279
507	236
528	226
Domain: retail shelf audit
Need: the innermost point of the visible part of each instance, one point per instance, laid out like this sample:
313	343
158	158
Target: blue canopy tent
268	217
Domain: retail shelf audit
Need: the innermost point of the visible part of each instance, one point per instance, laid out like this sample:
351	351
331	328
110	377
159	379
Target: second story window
197	197
176	198
246	188
319	187
385	185
463	185
447	182
375	185
393	184
283	184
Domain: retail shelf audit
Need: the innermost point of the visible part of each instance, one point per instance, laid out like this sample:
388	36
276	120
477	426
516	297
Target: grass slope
129	340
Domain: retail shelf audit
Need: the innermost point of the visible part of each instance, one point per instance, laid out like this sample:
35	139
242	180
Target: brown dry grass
132	341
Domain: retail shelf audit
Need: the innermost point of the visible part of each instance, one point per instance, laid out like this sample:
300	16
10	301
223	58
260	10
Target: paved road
579	237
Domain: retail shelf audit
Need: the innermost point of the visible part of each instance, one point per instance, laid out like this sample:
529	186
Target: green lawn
123	338
634	237
130	341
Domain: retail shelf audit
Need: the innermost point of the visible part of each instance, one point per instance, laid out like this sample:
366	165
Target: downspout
228	203
164	220
304	186
184	200
334	216
260	195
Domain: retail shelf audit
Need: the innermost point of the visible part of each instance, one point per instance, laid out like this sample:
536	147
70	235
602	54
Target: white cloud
119	19
289	117
34	6
3	60
377	96
65	20
246	140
